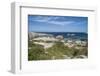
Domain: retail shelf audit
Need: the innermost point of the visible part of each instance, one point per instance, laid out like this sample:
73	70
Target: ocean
70	35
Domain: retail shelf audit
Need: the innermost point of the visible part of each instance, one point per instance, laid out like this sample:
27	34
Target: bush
35	51
57	51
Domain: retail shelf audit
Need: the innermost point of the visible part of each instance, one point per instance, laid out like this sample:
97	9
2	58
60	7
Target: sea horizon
56	32
74	35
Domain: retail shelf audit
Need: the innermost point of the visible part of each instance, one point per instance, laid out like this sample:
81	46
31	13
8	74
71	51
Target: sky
43	23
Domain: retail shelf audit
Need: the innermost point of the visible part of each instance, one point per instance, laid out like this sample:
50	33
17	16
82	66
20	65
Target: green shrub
57	51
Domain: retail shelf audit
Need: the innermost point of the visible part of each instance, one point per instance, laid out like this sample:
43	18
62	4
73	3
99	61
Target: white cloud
52	20
62	23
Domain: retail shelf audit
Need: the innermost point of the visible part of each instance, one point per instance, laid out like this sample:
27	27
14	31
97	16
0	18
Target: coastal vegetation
58	51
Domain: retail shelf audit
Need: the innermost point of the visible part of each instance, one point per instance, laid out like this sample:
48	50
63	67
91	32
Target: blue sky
42	23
